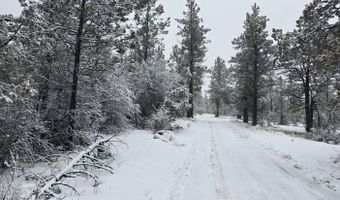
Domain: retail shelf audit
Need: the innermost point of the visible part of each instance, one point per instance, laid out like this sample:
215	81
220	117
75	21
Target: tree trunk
190	112
319	120
255	94
43	95
282	117
245	115
308	104
147	37
245	109
217	114
271	104
73	103
44	88
254	109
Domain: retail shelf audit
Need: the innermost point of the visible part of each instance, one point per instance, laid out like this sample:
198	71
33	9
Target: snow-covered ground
221	159
297	129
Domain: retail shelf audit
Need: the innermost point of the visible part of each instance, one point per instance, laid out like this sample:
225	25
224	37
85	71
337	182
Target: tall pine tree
218	84
252	60
193	47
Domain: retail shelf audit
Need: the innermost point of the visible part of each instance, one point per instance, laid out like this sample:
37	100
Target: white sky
224	17
10	7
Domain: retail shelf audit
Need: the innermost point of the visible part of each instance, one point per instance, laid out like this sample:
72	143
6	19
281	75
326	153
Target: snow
222	159
297	129
317	159
165	135
144	169
180	124
6	98
69	168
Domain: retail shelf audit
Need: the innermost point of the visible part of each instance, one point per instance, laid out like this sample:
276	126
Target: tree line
71	70
287	78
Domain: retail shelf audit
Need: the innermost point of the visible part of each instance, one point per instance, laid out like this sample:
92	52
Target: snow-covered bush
118	104
157	87
176	100
160	120
8	189
324	135
113	105
174	106
148	82
21	130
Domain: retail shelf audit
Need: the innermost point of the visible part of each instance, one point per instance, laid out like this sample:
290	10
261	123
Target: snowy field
220	159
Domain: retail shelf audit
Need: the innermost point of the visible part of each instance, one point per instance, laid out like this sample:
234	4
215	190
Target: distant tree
218	84
177	61
252	62
193	47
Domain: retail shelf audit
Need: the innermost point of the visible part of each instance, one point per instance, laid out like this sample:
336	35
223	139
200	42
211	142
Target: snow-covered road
239	168
221	160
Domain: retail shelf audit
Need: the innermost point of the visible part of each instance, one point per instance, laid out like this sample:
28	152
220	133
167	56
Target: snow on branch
84	159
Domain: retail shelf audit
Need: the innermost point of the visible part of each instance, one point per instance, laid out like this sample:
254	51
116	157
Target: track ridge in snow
220	185
181	175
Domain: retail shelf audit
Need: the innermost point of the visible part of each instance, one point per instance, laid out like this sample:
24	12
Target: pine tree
308	55
72	45
252	61
193	46
177	61
150	27
147	59
218	84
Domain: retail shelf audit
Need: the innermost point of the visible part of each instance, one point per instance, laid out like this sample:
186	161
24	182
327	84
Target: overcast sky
224	17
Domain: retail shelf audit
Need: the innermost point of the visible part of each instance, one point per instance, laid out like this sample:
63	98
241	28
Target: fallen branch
68	171
105	168
66	185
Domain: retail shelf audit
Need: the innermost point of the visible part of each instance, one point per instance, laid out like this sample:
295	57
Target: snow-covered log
164	135
82	159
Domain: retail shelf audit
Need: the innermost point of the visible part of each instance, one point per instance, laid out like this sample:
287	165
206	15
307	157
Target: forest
76	72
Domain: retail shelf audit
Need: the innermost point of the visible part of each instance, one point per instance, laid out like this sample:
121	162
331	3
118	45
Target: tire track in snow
202	164
182	176
215	164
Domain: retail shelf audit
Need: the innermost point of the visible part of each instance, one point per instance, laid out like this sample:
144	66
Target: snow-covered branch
70	171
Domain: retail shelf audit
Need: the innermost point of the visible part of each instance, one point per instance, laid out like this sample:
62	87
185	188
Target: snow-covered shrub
148	82
160	120
175	105
177	99
110	110
8	189
21	130
324	135
156	86
118	103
